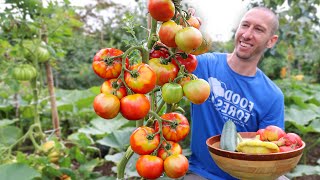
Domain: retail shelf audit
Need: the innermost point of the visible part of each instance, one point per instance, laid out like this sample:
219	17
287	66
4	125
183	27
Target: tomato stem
123	162
153	34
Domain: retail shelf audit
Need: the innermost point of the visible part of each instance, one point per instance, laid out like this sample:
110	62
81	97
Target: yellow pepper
255	146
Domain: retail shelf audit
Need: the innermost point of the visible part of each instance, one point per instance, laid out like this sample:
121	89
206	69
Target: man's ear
272	41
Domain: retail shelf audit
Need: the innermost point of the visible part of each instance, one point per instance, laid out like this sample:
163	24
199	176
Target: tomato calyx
151	136
174	124
134	73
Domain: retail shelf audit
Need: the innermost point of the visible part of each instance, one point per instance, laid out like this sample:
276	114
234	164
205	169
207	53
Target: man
239	91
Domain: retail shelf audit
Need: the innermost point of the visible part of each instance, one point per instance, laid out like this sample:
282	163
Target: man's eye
259	29
245	25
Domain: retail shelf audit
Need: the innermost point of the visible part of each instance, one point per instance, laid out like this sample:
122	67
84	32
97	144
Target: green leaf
89	166
17	171
301	170
106	178
316	125
6	122
9	135
117	139
300	116
114	157
102	126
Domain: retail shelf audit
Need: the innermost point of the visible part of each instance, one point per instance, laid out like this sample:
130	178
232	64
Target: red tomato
161	10
169	148
188	39
176	166
176	129
105	67
110	87
159	53
190	62
171	93
149	167
142	78
135	106
197	91
164	72
144	141
167	33
106	105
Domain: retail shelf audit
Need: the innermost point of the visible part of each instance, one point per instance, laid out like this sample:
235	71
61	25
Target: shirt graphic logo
230	104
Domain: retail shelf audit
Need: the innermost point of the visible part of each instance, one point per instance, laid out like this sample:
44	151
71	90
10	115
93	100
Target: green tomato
172	92
35	49
24	72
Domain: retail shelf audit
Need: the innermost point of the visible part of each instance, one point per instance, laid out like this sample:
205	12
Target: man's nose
248	33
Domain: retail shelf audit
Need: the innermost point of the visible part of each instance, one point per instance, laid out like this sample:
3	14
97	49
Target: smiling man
240	91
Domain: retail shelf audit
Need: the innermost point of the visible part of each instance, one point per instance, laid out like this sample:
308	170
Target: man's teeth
245	44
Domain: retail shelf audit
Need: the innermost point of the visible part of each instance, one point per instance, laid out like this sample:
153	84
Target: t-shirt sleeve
275	115
201	70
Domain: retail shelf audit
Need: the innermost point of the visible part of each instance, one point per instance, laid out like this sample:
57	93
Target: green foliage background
72	44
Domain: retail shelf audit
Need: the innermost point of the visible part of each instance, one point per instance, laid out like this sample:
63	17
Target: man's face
254	34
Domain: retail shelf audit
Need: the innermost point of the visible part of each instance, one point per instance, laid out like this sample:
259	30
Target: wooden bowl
253	166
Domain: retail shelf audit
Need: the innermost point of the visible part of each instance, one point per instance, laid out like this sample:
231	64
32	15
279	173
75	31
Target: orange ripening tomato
169	148
144	141
161	10
167	33
106	106
176	128
106	67
165	72
142	78
149	167
135	106
110	87
176	166
188	39
197	91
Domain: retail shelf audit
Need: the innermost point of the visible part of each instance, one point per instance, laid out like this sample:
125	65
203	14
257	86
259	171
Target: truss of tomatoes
126	88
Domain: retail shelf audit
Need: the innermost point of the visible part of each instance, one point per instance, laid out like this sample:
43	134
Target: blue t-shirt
251	102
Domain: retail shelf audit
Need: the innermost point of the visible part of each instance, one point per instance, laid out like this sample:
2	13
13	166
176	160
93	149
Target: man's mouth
243	44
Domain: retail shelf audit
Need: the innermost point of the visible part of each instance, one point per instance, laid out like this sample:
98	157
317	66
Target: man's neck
242	67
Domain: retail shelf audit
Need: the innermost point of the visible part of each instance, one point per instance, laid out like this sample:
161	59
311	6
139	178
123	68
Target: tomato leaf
9	135
18	171
117	139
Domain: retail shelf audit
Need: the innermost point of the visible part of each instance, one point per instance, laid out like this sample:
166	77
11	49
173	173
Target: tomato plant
176	166
197	90
135	106
165	71
141	78
161	10
105	65
115	87
149	167
106	106
161	78
144	140
175	127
